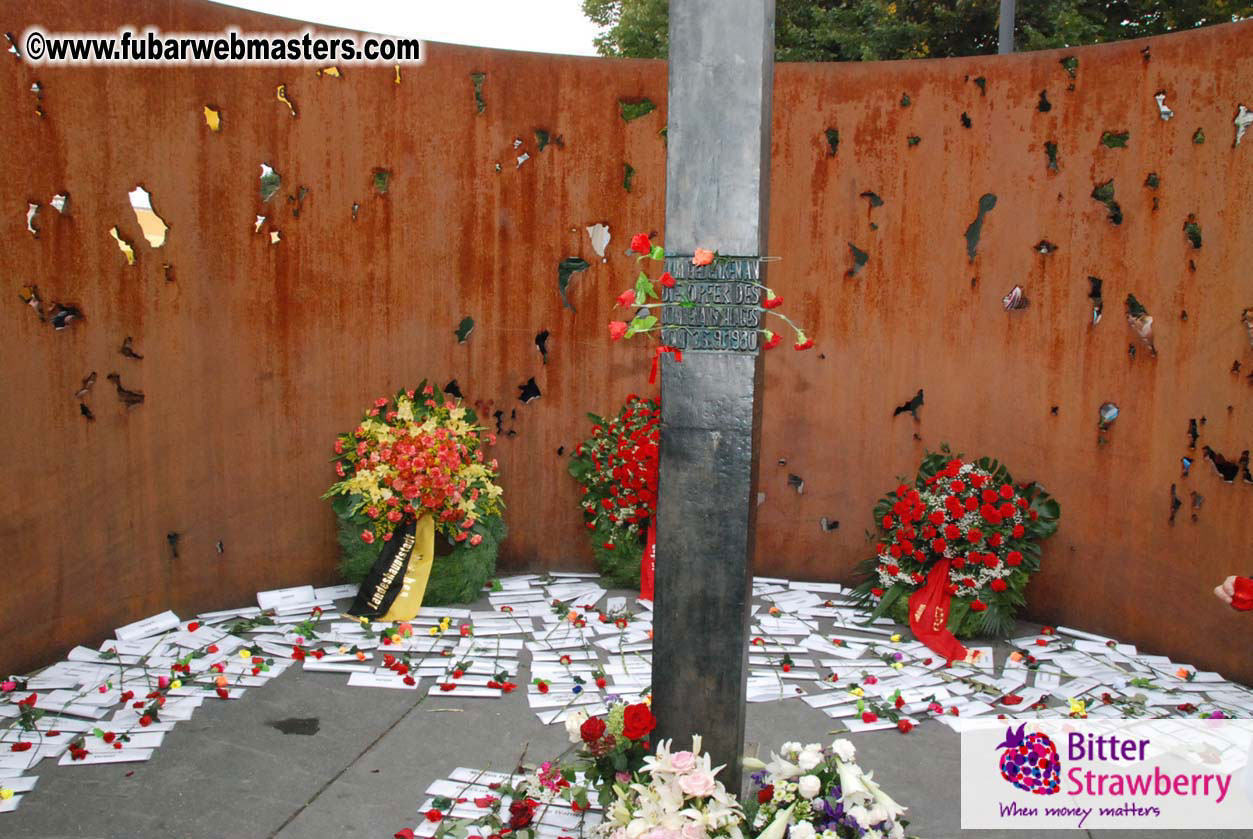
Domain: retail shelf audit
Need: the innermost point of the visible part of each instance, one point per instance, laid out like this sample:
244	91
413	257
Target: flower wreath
617	467
973	515
420	452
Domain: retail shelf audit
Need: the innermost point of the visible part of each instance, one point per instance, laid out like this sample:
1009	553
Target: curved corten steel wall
255	354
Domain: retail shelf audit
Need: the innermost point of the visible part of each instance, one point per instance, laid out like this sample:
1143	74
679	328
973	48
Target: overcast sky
539	26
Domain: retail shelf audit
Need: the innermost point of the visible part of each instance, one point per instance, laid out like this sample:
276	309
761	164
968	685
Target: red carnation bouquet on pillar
955	551
646	289
617	468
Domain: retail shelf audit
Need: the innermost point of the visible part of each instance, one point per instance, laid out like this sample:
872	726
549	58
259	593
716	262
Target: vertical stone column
717	197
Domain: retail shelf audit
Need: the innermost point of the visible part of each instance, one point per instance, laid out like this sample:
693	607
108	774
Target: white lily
894	810
853	789
778	827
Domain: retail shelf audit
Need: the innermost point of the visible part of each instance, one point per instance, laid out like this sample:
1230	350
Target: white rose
574	722
809	759
897	832
813	747
844	750
791	748
804	830
809	786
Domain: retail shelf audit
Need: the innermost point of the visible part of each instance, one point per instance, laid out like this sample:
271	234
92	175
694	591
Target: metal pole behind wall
1005	44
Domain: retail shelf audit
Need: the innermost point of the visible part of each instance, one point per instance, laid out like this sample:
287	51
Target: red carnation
938	546
904	726
667	280
765	794
773	341
978	605
434	815
640	243
592	730
1007	491
998	585
617	329
869	717
1013	558
627	298
877	592
1019	531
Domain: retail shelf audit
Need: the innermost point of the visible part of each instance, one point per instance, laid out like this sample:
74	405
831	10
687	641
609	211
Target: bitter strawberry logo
1030	762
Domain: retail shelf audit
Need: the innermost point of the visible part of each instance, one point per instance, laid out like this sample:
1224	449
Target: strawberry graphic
1030	762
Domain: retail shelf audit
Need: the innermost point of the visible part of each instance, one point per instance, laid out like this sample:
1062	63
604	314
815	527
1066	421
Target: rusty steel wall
256	354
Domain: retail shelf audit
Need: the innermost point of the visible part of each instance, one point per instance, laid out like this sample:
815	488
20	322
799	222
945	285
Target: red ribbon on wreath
929	612
678	357
648	561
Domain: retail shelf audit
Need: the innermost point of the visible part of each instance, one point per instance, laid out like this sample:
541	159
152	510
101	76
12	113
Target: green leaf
658	252
464	329
643	289
886	601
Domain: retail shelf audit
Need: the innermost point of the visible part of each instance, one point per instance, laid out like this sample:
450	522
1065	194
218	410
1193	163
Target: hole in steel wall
30	296
566	269
910	407
1197	501
453	389
1094	294
464	329
541	344
860	258
477	80
1192	229
1016	299
298	200
965	118
1193	433
986	203
796	482
64	314
151	224
1050	154
128	350
1141	322
1104	193
833	141
633	109
1115	139
172	538
528	391
1175	504
1226	469
280	93
828	525
270	182
128	397
1185	465
88	382
1164	112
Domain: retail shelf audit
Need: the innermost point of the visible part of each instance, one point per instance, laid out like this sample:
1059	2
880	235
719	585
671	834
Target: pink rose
9	686
476	539
698	784
683	761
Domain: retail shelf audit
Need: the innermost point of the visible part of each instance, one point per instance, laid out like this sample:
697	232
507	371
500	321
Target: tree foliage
874	30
